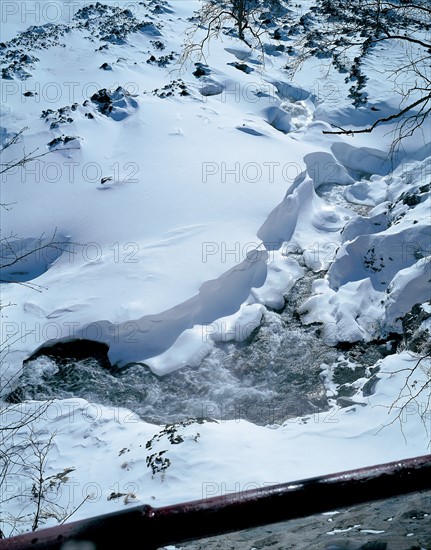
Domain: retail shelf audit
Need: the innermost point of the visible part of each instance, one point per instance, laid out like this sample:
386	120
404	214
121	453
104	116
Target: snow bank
143	463
383	267
308	221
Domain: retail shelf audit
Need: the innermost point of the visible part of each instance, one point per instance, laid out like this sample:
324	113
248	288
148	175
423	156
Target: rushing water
271	377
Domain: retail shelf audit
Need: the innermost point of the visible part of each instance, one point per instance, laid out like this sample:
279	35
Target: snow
367	192
188	197
210	459
383	268
179	219
306	220
167	258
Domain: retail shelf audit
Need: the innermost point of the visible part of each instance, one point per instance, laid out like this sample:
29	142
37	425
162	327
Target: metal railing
149	528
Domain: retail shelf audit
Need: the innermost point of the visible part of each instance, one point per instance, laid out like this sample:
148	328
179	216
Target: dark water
271	377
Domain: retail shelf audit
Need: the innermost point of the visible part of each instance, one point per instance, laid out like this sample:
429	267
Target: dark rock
412	199
346	390
201	70
101	97
344	374
60	116
114	103
241	67
347	402
163	60
171	89
46	113
414	337
59	143
6	73
74	349
55	141
158	45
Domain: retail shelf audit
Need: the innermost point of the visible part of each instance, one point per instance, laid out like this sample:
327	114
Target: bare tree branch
383	119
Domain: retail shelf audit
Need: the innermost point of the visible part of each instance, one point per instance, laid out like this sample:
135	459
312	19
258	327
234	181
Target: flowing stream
274	375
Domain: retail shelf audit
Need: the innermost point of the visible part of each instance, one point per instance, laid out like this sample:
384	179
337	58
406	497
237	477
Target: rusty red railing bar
149	528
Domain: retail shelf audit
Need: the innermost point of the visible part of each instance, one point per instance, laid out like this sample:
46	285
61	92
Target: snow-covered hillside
177	205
